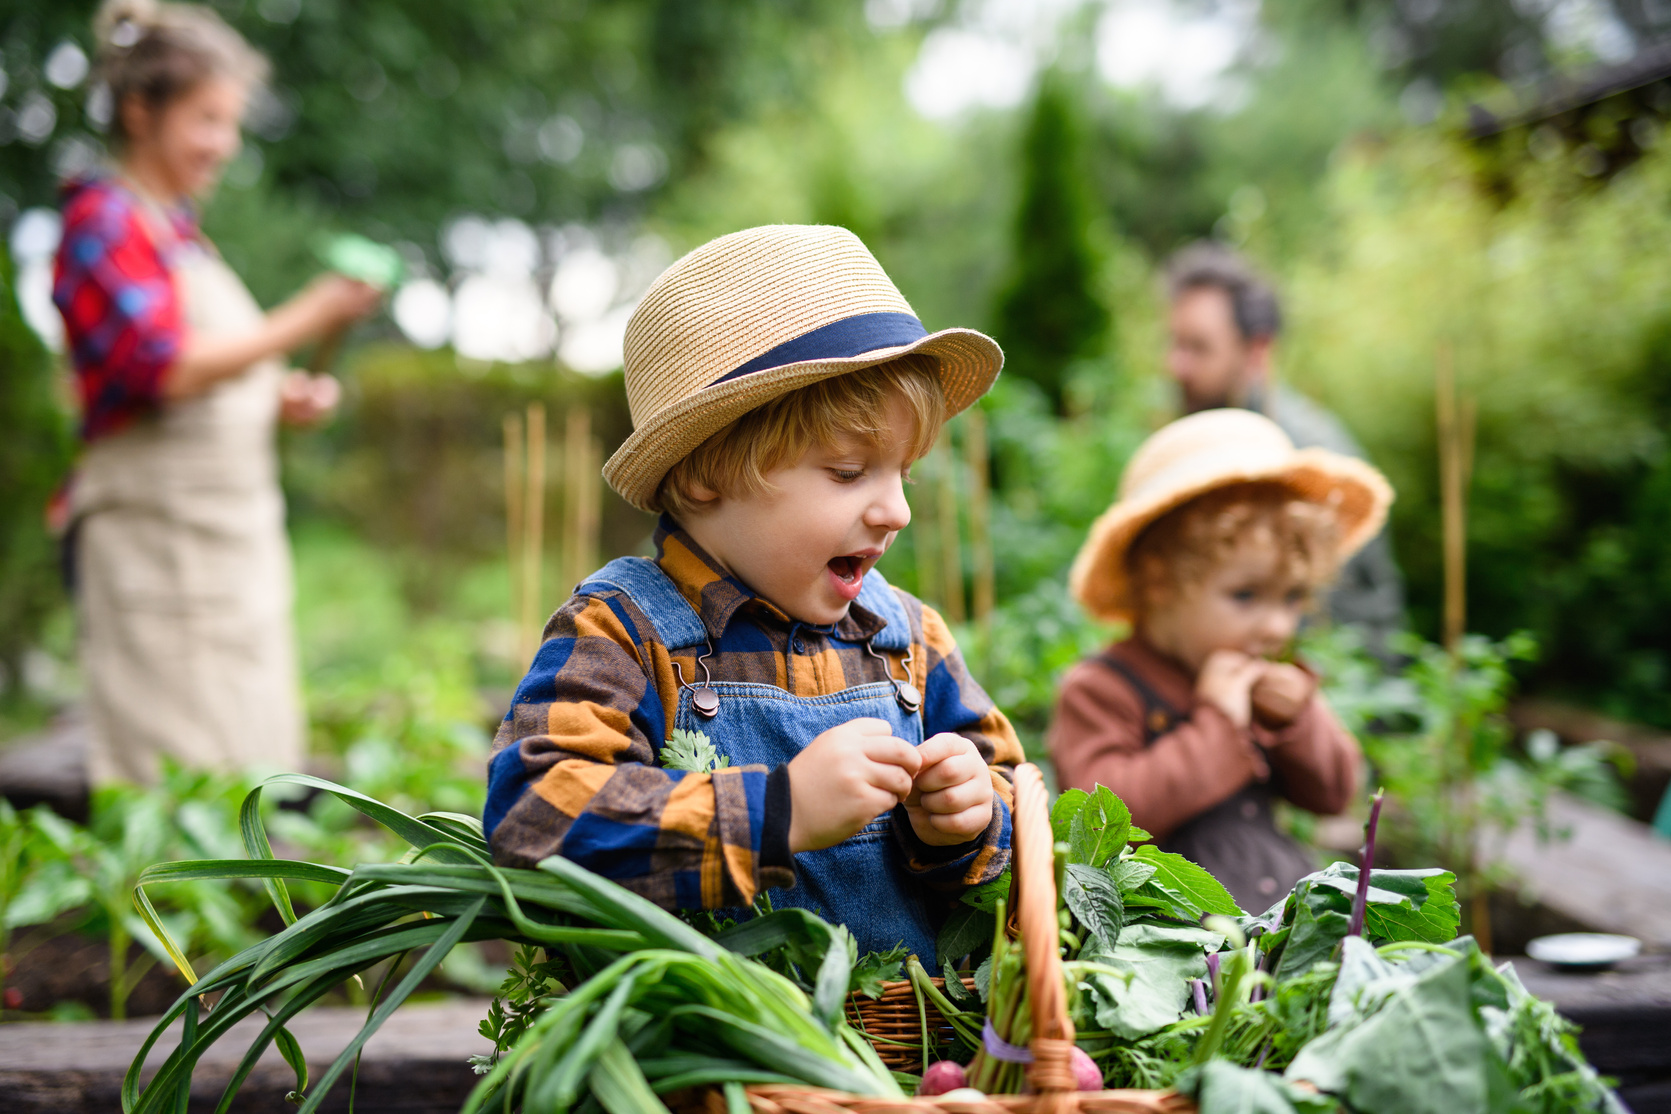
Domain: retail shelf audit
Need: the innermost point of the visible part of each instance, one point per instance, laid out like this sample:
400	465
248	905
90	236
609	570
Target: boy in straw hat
780	389
1222	535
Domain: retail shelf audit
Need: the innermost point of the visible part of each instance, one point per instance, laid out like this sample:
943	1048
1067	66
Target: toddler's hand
1226	681
951	800
844	779
1281	694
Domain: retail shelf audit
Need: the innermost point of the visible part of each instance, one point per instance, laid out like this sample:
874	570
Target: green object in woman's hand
359	258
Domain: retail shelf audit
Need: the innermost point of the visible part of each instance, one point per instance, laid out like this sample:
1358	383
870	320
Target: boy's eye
1244	595
847	475
1296	597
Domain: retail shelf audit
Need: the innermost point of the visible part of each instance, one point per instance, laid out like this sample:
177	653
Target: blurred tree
391	115
34	456
1049	310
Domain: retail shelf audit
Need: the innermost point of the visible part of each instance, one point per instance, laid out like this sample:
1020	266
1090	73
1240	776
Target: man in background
1223	324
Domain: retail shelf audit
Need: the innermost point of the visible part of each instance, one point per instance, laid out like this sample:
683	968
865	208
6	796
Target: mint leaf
1067	806
1191	889
1094	900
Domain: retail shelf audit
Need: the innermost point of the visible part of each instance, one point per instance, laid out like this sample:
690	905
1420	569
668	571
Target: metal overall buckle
904	691
702	697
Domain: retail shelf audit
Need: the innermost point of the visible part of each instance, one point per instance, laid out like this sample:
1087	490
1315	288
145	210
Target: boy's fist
1281	694
844	779
951	800
1226	680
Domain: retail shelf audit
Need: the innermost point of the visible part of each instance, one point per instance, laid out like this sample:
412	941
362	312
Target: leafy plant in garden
189	814
1439	742
37	881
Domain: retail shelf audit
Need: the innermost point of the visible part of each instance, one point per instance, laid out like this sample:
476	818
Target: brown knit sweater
1098	735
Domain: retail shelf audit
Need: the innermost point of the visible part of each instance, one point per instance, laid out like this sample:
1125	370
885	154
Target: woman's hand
307	399
1226	681
332	301
951	797
328	303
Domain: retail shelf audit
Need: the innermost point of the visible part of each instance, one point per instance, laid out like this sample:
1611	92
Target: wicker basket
1051	1073
894	1025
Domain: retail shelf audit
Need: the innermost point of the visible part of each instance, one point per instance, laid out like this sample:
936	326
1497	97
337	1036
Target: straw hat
754	315
1198	454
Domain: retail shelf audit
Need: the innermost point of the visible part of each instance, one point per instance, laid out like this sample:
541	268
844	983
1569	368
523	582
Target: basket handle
1034	867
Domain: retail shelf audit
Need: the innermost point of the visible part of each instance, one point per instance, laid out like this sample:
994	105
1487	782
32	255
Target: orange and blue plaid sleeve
954	701
574	771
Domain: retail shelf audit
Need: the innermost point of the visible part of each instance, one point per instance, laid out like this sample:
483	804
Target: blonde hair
735	460
160	51
1184	545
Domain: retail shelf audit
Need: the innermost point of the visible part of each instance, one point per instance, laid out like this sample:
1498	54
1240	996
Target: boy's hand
1226	681
844	779
1281	694
951	800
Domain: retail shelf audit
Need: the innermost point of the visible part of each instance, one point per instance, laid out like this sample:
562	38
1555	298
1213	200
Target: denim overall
861	882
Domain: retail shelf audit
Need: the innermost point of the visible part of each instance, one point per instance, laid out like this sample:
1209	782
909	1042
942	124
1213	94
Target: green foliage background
1045	225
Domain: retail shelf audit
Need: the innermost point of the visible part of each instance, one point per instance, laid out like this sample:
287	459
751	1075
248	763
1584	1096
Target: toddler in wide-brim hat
1222	535
780	389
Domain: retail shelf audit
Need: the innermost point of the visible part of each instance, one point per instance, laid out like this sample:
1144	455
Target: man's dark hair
1252	300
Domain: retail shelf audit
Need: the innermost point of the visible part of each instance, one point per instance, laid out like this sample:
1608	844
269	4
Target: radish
1086	1075
943	1076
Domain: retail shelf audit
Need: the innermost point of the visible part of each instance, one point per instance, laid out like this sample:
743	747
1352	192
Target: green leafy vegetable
872	970
1094	899
1186	889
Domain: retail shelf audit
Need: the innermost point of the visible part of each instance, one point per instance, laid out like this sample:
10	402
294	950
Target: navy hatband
851	336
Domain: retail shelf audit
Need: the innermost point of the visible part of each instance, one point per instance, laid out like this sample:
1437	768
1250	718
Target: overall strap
876	597
677	624
1159	716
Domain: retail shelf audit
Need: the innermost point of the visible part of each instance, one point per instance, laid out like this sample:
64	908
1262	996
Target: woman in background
180	559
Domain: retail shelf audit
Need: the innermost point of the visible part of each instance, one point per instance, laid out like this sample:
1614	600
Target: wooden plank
1611	875
416	1064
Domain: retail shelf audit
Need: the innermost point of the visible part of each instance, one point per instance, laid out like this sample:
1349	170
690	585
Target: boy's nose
890	510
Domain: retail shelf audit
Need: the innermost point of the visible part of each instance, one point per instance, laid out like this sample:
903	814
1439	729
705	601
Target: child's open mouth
848	573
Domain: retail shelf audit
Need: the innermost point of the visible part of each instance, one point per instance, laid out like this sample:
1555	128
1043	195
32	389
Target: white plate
1583	949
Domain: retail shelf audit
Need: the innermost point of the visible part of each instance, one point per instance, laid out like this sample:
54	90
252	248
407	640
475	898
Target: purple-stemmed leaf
1360	902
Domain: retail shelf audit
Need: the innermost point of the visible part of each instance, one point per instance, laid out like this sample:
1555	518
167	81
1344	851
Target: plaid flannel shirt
114	286
574	768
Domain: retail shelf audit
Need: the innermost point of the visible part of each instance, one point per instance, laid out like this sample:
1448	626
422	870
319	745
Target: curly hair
1184	545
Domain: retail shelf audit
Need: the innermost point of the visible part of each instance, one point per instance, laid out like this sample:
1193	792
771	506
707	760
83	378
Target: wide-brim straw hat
754	315
1204	452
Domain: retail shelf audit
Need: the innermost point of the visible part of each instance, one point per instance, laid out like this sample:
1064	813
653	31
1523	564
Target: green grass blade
258	847
620	1085
561	1086
291	1049
420	970
626	909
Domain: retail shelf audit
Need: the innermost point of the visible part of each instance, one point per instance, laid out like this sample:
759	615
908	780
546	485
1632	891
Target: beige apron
183	568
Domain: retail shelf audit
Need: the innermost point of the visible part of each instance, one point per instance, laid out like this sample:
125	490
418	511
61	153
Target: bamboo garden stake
980	525
533	537
1455	425
515	461
951	546
582	460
